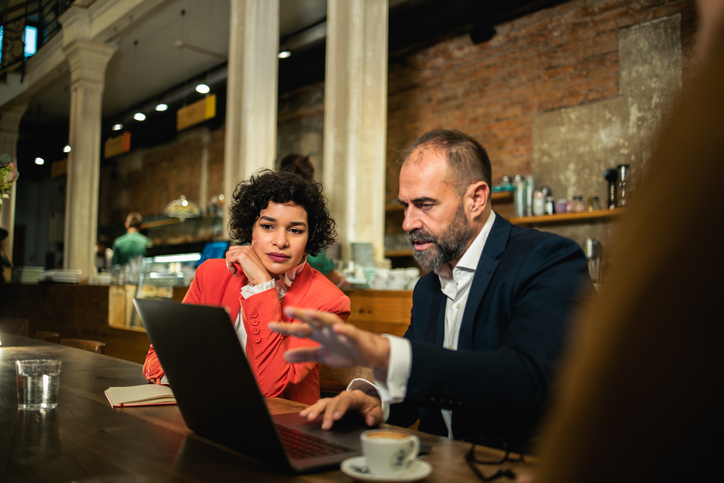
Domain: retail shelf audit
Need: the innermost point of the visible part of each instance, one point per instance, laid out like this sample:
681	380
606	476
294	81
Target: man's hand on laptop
342	344
333	409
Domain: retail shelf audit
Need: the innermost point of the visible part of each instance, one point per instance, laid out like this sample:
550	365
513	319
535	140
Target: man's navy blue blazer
525	289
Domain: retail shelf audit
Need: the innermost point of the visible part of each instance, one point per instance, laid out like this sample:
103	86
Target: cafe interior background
557	91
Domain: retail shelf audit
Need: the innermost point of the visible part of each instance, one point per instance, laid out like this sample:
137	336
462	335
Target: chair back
85	344
14	326
47	336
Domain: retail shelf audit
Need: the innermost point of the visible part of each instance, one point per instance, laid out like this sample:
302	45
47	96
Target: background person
296	163
488	321
104	254
131	245
283	218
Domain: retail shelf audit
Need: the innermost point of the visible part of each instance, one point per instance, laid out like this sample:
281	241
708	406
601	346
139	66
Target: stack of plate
27	274
67	275
363	253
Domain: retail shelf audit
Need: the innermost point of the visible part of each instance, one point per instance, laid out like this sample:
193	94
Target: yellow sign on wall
195	113
59	168
117	145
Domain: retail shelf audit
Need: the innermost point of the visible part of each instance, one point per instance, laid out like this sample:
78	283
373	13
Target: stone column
9	131
355	120
88	61
251	90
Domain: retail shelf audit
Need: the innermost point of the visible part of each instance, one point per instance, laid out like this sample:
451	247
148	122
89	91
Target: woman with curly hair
278	219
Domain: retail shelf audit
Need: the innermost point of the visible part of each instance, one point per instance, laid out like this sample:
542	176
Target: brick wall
555	58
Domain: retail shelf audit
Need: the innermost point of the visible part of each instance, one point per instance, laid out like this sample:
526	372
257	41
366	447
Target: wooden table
85	440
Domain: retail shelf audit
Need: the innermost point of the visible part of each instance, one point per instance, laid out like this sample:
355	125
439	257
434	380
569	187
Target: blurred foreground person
642	395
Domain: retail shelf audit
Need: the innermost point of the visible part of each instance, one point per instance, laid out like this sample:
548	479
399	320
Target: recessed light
283	54
162	107
117	127
66	149
139	116
203	89
39	161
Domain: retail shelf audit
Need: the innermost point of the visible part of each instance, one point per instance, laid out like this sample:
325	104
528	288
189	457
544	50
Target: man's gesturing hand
342	344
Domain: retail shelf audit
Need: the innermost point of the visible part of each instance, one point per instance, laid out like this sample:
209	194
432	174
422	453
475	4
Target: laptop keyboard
301	445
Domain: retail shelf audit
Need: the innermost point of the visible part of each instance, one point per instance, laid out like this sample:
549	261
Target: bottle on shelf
623	192
539	202
520	192
529	190
611	176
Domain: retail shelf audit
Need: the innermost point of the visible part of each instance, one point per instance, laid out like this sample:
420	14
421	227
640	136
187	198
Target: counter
98	312
104	312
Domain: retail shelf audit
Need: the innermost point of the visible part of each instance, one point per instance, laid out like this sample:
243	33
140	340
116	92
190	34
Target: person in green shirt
131	245
301	165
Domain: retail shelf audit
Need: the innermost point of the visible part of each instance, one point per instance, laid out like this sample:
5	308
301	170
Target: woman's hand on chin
244	259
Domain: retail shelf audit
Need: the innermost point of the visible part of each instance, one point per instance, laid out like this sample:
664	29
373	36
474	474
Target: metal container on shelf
594	252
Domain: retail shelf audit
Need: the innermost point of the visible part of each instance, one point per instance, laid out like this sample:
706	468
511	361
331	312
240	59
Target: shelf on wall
568	217
398	253
563	218
502	196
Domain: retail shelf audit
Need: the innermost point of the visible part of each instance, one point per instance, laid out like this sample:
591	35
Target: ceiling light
39	161
283	54
139	116
117	126
161	107
203	89
66	149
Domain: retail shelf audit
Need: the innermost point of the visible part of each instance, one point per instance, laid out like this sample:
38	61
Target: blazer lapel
435	329
489	261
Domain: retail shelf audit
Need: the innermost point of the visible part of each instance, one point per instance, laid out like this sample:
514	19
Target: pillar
355	120
9	130
88	61
251	106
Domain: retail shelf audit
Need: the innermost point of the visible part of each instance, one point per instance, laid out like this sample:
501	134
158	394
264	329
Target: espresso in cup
382	434
389	453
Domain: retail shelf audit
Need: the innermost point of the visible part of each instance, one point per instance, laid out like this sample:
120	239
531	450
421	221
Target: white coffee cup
388	452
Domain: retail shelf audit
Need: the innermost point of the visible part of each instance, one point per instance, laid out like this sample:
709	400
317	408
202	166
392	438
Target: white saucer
418	470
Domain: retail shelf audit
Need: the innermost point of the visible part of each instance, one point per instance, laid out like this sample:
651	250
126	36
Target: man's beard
448	246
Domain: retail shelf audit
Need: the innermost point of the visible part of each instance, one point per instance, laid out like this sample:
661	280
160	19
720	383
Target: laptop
219	398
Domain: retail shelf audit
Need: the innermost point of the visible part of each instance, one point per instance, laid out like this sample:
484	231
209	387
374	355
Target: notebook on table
219	398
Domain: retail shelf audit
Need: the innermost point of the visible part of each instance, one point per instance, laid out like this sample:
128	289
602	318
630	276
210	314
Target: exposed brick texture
555	58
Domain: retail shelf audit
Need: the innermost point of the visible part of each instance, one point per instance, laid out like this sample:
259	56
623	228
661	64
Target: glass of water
38	383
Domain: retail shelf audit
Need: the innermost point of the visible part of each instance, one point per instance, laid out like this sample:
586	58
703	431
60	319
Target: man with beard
488	321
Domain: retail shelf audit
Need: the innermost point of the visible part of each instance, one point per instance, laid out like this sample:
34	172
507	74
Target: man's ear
477	195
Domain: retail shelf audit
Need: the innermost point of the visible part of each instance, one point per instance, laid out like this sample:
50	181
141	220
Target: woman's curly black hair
253	195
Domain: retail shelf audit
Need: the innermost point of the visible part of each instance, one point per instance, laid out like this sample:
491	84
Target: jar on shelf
593	203
578	204
539	201
560	205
